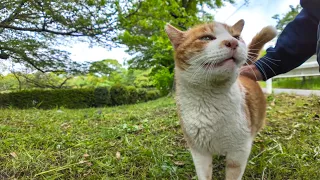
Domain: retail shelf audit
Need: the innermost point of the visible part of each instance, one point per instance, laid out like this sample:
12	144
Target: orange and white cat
220	111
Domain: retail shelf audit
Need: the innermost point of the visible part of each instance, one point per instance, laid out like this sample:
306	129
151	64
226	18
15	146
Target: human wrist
252	72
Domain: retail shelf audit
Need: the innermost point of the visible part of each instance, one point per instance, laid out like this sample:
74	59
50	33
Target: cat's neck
219	97
188	81
184	85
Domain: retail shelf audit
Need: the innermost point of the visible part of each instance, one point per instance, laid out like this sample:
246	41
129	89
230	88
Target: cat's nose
232	44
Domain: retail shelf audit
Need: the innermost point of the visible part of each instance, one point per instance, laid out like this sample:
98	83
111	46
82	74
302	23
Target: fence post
269	86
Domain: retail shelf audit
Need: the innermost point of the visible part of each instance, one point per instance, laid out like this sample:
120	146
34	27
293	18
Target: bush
102	97
133	96
119	95
47	99
152	95
76	98
142	95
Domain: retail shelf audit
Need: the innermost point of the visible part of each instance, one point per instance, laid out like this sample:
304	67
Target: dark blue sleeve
296	44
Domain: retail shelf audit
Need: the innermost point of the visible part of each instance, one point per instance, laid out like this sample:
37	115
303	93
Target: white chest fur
214	120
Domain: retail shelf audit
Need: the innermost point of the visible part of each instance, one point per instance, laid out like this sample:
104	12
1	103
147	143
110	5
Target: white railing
309	68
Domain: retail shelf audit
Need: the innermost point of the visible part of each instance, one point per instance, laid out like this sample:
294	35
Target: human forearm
295	45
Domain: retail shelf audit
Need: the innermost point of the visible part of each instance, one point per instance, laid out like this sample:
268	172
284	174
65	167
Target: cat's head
209	54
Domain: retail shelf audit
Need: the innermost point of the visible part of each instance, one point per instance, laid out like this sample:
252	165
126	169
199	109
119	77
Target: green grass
312	83
144	141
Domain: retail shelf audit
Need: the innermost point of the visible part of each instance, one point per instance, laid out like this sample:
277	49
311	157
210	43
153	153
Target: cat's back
255	103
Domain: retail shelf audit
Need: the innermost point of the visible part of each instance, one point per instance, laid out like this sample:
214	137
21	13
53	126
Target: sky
256	15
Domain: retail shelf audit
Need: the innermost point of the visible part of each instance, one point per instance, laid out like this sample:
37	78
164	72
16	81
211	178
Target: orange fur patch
255	104
233	170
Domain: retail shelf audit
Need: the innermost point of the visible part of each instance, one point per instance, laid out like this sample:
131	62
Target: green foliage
75	98
105	67
133	96
9	82
142	78
89	81
102	96
288	17
163	80
44	80
21	81
119	95
152	95
142	94
47	99
310	83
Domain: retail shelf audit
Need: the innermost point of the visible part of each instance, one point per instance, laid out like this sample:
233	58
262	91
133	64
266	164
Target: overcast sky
256	15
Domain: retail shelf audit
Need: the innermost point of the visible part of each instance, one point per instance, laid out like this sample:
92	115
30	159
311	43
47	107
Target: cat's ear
237	27
174	34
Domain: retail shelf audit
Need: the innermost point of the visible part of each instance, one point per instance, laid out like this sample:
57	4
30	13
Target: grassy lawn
312	83
144	141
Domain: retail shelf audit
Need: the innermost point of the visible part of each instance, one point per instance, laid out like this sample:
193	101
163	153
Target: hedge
119	95
76	98
102	97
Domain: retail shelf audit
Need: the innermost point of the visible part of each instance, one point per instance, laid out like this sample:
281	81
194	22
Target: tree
45	80
163	80
31	30
143	32
8	83
143	79
21	80
288	17
105	67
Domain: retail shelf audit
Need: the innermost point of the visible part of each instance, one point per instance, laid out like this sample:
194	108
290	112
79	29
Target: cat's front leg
236	163
203	163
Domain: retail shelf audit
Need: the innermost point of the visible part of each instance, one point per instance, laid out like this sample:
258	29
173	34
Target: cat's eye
237	37
207	38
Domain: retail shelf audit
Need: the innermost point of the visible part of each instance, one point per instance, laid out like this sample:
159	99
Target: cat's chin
230	62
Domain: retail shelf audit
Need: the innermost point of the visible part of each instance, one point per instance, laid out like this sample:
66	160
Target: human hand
252	72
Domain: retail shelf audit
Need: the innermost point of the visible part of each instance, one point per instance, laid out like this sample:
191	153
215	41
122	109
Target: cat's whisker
267	59
197	71
269	67
208	69
201	66
263	71
252	53
252	71
271	61
264	56
195	74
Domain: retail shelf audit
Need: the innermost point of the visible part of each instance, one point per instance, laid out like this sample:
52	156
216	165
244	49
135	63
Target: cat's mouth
211	65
